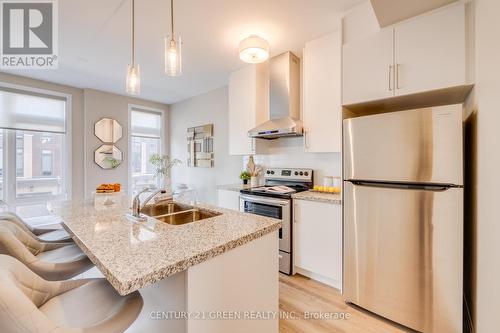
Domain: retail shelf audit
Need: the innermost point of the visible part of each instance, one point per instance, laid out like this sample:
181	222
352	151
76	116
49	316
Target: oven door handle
264	200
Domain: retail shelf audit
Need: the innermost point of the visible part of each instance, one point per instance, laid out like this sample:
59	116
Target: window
47	163
47	138
34	160
2	136
19	155
39	171
145	140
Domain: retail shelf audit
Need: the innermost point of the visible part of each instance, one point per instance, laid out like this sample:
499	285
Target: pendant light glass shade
173	56
254	49
133	80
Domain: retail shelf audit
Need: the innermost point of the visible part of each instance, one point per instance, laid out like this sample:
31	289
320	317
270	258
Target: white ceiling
94	40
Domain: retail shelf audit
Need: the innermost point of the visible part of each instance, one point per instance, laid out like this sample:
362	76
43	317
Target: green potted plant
245	177
162	165
113	162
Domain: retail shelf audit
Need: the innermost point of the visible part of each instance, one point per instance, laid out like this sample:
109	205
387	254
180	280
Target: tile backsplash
289	153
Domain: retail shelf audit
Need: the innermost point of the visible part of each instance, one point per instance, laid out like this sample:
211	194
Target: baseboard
320	278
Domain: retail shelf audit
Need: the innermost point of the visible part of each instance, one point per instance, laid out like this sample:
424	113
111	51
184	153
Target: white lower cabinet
317	237
228	199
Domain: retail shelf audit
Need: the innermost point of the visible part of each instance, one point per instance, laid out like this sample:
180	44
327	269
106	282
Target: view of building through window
142	171
145	141
39	164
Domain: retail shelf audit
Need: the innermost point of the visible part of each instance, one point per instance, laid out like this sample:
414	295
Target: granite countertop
234	187
318	196
132	255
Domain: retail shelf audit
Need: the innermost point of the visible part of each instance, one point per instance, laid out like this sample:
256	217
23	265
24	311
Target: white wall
209	108
99	104
487	98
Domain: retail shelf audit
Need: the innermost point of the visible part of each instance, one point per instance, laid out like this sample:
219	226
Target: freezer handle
425	187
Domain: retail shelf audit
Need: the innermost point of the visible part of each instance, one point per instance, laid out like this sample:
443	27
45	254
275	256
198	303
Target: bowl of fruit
326	189
108	188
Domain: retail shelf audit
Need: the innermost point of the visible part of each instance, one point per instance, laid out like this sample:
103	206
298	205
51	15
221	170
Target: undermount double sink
175	213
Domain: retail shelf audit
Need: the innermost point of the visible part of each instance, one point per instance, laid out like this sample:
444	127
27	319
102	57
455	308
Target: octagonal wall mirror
108	130
108	157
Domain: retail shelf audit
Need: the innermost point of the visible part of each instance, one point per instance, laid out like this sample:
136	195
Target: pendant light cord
172	18
133	33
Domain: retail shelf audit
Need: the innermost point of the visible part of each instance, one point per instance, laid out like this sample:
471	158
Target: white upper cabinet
368	68
430	51
322	105
248	106
422	54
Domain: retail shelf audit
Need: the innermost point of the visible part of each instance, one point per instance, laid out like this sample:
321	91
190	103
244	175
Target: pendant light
133	84
173	46
254	49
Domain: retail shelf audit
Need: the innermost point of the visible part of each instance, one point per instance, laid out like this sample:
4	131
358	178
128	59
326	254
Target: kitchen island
213	275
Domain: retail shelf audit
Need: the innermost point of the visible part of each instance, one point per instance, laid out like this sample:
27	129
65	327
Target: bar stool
44	234
52	261
31	304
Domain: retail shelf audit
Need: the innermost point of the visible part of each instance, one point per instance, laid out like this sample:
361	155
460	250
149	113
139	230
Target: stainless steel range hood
284	104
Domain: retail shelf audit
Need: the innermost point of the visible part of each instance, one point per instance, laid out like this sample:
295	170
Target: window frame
10	150
161	113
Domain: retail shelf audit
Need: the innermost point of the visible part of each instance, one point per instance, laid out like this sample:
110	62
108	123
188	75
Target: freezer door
403	255
416	146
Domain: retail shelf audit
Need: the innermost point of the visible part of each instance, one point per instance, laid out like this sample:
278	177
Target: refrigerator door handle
425	187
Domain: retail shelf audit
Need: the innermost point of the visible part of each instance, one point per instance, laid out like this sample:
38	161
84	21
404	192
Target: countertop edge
129	287
318	197
107	274
196	259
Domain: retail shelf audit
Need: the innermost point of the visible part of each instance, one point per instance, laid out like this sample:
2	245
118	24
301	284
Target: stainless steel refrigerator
403	216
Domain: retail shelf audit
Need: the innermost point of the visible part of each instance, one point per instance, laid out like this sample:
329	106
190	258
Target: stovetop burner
282	183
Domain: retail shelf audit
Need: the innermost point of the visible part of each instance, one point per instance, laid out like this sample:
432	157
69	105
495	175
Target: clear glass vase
165	183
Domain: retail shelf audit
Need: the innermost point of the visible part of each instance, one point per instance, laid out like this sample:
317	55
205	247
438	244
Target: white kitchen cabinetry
430	52
318	241
322	99
422	54
228	199
368	68
248	106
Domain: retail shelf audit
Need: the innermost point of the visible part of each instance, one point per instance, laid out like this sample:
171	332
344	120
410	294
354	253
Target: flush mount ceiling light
173	61
133	84
254	49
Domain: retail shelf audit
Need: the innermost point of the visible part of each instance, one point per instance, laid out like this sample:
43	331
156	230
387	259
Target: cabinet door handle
397	76
391	68
305	139
252	148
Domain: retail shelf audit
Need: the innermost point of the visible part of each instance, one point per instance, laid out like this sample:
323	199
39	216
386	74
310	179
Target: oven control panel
291	174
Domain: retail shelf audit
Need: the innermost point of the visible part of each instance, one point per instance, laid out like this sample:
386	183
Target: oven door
271	207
